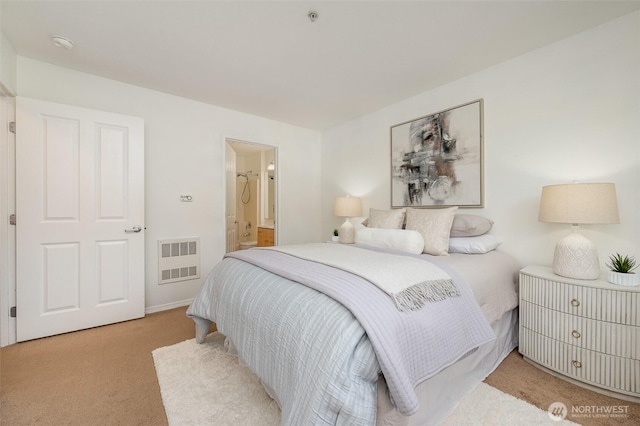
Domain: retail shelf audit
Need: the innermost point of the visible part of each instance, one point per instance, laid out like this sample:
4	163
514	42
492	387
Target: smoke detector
63	42
313	15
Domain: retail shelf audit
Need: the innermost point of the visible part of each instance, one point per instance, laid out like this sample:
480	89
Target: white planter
628	279
335	238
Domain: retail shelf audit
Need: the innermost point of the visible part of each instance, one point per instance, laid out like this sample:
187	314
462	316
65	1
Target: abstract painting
437	160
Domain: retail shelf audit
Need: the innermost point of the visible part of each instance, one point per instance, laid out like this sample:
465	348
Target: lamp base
347	232
576	257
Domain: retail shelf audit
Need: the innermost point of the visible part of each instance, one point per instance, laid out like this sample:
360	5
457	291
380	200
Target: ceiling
268	59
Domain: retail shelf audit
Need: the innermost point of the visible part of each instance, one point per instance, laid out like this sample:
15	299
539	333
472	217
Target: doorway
251	207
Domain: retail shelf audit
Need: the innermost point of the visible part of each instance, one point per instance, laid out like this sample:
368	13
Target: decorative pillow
394	239
388	219
470	225
474	245
434	225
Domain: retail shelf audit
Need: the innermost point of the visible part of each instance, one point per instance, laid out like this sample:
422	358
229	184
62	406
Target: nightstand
583	331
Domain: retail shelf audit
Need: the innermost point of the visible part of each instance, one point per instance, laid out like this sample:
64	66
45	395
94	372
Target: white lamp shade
347	207
579	203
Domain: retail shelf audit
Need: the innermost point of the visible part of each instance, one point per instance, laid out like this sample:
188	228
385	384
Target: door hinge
12	127
12	219
12	312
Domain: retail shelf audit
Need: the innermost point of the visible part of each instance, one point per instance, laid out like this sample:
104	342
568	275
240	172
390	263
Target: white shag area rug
203	385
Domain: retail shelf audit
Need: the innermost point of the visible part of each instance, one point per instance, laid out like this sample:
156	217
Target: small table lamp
347	207
578	203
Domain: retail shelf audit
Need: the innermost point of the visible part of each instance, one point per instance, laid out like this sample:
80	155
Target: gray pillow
470	225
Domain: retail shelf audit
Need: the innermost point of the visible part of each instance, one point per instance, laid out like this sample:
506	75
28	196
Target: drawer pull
576	334
576	364
575	302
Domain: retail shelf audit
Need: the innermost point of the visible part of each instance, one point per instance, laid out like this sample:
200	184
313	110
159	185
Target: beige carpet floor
106	376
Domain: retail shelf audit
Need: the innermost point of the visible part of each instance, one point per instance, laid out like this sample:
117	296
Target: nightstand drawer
600	336
606	371
602	304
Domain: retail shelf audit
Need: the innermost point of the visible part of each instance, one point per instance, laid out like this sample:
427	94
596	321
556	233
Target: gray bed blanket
410	346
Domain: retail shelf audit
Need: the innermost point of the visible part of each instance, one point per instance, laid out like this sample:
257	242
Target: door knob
134	229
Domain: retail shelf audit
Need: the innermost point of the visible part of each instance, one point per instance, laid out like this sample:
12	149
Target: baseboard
167	306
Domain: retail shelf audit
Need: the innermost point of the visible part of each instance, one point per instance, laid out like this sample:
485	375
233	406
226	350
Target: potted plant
621	270
335	235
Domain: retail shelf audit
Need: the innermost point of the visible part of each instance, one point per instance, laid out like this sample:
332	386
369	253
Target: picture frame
438	160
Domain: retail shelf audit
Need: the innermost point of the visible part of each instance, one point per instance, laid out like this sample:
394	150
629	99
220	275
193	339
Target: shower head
246	175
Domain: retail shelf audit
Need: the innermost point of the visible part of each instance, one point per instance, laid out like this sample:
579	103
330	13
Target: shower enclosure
251	193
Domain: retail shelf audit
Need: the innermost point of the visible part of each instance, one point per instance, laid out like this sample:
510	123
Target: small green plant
622	264
335	232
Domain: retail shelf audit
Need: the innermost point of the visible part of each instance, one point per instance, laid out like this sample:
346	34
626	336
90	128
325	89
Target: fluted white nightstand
584	331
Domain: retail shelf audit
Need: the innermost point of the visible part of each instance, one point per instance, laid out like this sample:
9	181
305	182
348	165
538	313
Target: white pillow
388	219
394	239
434	225
474	245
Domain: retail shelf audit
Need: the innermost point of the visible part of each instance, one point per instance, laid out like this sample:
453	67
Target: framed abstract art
437	160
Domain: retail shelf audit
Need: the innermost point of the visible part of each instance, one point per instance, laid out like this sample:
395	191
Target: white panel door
80	216
230	204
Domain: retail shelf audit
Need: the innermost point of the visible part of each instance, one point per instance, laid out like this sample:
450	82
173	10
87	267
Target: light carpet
203	385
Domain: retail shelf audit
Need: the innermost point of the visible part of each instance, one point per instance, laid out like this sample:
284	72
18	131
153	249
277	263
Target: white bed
491	276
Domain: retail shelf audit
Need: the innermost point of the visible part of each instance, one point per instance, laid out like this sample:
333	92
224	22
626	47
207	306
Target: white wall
568	111
184	154
8	60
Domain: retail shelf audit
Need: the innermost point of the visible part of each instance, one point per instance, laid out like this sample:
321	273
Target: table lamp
347	207
578	203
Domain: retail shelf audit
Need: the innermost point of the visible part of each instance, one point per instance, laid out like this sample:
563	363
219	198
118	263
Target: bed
332	348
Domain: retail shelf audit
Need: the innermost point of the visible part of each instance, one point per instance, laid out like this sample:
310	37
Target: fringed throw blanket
411	282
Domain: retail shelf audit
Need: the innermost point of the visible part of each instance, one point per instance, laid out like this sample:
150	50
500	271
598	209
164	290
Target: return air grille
178	260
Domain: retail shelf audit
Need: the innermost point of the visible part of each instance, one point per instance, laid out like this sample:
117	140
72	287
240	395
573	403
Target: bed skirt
440	395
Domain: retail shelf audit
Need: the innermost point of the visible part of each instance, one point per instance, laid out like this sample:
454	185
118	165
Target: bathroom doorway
251	208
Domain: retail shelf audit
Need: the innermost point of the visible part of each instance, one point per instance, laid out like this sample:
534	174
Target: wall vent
178	260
